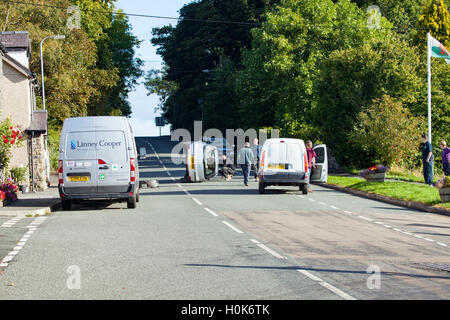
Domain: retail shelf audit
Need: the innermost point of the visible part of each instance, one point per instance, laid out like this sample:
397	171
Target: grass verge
394	189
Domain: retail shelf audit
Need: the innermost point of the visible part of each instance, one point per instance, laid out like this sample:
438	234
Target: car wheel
131	202
262	188
66	204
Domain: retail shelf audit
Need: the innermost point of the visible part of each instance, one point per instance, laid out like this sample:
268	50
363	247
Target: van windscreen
109	146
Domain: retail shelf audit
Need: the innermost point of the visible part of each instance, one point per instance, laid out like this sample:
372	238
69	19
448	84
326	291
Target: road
222	240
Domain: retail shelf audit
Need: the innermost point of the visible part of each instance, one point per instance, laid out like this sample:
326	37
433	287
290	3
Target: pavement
33	203
222	240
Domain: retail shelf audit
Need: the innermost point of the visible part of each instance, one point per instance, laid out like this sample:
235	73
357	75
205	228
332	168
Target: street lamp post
57	37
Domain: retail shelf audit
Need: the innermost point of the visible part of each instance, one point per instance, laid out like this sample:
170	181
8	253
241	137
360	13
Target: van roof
106	122
275	140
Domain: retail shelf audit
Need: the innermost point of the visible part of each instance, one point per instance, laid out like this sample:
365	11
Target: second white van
283	162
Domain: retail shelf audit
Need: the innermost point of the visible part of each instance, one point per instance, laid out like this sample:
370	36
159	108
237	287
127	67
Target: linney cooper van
97	160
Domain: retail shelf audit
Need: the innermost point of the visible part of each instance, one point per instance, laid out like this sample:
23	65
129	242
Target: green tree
435	19
351	79
389	131
196	46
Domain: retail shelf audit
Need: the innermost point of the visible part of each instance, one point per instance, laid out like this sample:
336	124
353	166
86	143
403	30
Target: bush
388	130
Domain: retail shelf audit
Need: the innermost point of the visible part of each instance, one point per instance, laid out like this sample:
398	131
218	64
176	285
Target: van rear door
79	163
320	172
113	162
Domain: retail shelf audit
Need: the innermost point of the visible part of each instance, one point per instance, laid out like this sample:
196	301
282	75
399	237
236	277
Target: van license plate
78	179
277	166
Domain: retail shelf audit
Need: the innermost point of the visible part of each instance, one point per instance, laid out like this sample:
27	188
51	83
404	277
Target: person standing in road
311	155
245	160
256	149
445	158
427	159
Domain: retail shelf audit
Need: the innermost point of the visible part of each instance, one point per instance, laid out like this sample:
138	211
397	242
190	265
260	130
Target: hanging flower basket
376	173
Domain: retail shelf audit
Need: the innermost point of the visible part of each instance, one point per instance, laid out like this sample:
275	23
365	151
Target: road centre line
196	200
326	285
275	254
232	227
211	212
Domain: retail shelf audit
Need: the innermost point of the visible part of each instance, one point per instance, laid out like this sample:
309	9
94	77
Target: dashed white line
275	254
326	285
211	212
442	244
336	208
232	227
196	200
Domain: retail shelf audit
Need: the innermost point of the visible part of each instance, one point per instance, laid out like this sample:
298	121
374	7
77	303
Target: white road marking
365	218
442	244
311	200
275	254
254	241
326	285
232	227
11	222
322	203
196	200
427	239
211	212
336	208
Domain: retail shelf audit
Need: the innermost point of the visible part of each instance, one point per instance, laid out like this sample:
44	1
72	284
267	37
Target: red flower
6	141
12	142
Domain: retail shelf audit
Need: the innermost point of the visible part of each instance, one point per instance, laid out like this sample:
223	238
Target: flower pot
25	188
378	177
444	193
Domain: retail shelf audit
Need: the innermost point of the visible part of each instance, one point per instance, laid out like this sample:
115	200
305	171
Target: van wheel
131	202
66	204
303	189
137	195
262	188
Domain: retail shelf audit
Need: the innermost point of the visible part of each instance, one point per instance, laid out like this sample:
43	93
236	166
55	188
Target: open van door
210	161
320	172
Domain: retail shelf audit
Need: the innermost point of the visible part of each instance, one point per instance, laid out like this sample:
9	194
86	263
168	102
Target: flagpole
429	84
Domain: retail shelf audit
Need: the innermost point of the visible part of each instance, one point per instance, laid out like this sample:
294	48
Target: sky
143	106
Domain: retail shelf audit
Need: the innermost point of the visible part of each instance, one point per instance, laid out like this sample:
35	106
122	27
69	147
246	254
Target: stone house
17	94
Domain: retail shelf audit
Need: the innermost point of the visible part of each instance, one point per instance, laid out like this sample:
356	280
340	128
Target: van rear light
100	161
306	165
263	156
60	172
132	170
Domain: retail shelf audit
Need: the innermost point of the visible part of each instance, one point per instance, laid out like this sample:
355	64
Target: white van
202	161
98	160
284	162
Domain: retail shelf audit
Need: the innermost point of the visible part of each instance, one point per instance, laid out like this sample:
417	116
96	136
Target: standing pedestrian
427	159
311	155
256	149
445	157
245	160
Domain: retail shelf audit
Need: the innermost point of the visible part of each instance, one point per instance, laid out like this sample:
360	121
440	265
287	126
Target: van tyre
131	202
137	195
66	204
262	188
303	188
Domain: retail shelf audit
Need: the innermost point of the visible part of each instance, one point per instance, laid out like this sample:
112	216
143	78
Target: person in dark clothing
227	169
256	148
427	159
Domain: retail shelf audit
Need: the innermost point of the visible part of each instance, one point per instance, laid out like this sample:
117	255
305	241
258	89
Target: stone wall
38	161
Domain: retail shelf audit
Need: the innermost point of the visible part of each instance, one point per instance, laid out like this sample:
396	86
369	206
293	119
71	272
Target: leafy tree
389	131
116	53
351	79
435	19
195	47
277	83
